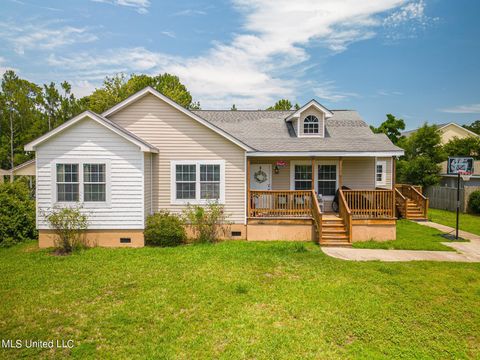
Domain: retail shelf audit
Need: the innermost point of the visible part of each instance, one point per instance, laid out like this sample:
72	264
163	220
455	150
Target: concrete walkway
466	251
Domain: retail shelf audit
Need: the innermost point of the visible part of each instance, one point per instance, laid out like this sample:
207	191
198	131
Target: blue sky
417	59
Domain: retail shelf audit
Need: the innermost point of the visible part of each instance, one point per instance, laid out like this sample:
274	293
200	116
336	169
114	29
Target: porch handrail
402	200
280	203
412	192
345	213
377	204
317	215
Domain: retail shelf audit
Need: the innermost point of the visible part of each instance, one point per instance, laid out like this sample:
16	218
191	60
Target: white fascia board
87	114
314	103
152	91
461	127
326	153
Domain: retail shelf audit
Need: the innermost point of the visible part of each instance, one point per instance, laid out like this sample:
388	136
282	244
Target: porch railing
284	203
413	192
368	204
345	213
317	216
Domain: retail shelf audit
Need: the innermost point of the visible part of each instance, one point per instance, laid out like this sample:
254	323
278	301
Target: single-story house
448	131
276	172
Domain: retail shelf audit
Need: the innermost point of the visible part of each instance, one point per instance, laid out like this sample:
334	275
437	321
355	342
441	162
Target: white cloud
327	91
463	109
189	12
257	67
170	34
44	36
140	6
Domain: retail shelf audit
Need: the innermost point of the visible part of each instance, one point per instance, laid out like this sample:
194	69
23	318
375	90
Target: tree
423	152
390	127
474	126
282	104
469	146
20	117
234	108
117	88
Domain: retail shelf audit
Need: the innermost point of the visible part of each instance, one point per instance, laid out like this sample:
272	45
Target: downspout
151	183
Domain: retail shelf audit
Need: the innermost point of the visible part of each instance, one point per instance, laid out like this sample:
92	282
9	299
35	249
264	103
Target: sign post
460	166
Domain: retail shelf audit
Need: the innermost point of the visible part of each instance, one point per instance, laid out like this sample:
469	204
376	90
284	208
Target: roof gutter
326	153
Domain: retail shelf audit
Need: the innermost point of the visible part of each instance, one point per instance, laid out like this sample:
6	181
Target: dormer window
310	125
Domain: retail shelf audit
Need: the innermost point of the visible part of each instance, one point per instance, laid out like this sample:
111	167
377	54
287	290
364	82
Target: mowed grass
410	236
237	300
468	222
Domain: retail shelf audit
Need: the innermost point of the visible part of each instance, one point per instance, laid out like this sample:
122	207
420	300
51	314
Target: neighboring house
25	169
448	131
451	180
276	172
444	196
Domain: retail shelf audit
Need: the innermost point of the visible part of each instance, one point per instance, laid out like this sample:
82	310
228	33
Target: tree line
28	110
424	150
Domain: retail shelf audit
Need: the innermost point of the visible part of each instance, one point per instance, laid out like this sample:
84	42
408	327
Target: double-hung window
94	182
81	182
327	179
68	189
302	177
381	173
198	181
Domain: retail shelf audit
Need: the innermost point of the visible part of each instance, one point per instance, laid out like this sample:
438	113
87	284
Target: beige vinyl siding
179	137
359	173
280	181
89	141
388	160
451	131
312	110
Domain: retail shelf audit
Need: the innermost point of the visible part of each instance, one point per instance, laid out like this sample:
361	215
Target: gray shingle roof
266	130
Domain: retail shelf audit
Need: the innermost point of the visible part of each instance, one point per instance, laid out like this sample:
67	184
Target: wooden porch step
335	243
332	225
334	237
335	230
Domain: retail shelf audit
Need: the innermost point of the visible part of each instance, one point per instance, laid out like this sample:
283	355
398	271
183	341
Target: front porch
302	191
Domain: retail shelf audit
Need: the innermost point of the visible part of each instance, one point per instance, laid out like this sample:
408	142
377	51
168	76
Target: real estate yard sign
459	166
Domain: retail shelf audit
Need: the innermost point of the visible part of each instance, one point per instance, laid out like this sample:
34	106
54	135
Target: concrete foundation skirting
374	229
271	232
103	238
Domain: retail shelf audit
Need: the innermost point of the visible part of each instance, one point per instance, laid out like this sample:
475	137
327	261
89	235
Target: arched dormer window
310	125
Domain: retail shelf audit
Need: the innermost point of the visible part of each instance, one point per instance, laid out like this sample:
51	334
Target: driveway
465	251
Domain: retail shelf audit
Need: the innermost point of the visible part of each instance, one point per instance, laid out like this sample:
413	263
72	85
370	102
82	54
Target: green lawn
410	236
468	222
237	300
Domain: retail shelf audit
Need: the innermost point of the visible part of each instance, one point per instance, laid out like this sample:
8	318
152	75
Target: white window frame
80	163
197	200
321	126
292	171
311	123
326	162
382	182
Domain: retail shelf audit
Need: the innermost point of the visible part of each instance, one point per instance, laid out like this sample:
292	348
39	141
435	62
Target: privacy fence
445	198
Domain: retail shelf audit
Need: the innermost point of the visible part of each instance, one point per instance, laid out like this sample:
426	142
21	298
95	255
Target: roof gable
143	145
444	126
311	103
149	90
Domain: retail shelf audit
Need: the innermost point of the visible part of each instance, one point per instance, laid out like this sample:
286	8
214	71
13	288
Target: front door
260	176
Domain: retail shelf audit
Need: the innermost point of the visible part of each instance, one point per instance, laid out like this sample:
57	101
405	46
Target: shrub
17	214
164	229
70	225
474	202
208	222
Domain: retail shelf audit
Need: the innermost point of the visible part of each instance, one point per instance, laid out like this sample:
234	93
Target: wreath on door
260	176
